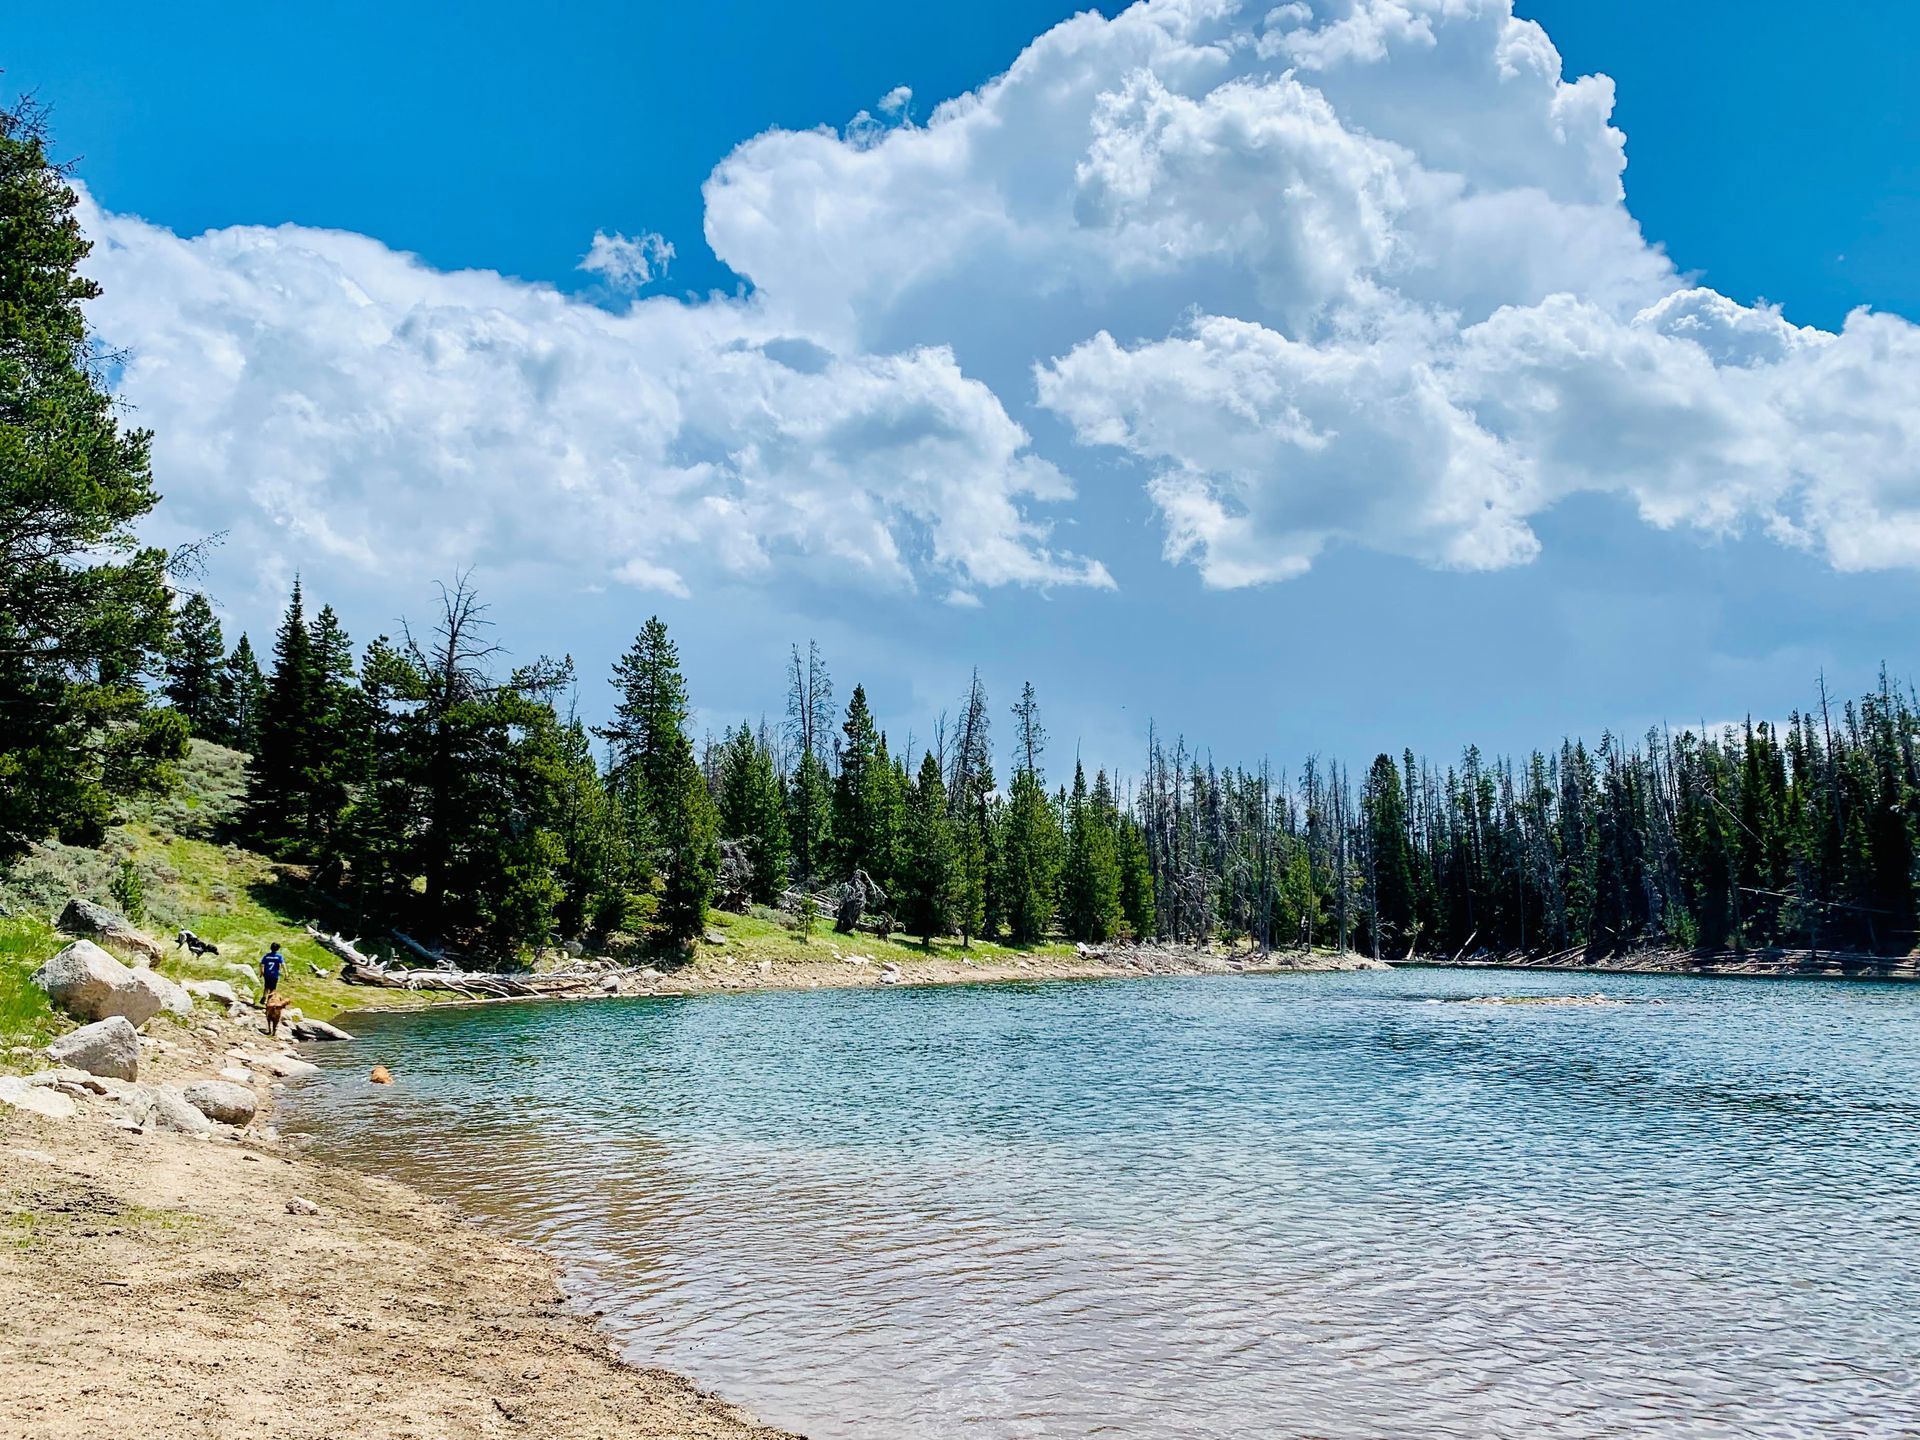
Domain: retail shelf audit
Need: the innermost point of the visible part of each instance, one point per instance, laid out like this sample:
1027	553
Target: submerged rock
317	1030
106	1047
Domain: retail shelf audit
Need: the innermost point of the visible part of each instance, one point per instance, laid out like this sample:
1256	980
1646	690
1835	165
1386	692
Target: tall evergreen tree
648	732
861	795
927	884
751	810
243	694
1390	859
83	607
1136	881
810	787
194	669
654	762
1029	855
1091	908
279	777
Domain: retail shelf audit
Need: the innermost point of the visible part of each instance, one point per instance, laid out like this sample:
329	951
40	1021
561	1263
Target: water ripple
1312	1206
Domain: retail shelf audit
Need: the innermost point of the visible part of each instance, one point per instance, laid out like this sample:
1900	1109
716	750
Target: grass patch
25	1020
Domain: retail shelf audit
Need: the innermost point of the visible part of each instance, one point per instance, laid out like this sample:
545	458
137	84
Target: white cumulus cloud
1343	273
627	264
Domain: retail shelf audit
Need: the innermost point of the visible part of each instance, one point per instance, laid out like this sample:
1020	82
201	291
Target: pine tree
751	810
243	697
594	870
83	607
1031	841
1136	881
1384	813
194	665
1090	880
859	794
653	761
970	870
810	788
927	883
691	855
648	731
279	776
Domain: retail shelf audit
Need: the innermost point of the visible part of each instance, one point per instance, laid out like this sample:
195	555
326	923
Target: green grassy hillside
192	879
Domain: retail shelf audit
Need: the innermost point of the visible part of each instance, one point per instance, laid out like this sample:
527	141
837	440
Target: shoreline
1709	965
846	967
291	1298
201	1288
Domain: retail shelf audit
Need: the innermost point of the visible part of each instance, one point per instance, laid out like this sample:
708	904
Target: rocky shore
843	961
173	1268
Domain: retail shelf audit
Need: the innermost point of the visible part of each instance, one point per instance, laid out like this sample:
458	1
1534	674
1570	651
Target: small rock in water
317	1030
380	1076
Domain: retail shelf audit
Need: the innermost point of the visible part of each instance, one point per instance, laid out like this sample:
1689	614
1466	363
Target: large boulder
222	1100
108	1047
83	917
173	1111
167	994
81	979
218	991
89	984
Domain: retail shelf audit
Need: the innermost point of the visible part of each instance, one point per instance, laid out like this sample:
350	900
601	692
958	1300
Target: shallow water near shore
1286	1206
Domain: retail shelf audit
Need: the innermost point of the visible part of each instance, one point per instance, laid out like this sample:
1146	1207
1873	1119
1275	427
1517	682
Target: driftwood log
357	968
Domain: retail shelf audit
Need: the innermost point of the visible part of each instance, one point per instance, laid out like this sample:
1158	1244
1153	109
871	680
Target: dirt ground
157	1286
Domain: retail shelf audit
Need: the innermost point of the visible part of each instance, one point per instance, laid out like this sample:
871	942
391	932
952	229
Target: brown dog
275	1006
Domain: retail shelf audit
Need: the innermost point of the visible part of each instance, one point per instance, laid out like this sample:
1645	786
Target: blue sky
1770	153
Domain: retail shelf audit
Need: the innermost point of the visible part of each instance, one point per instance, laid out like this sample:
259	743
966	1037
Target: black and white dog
194	943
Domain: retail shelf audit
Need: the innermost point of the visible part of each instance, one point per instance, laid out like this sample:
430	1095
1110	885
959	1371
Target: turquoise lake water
1288	1206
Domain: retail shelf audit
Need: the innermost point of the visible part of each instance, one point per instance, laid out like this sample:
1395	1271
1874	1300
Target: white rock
239	1074
222	1100
300	1206
175	1112
72	1081
167	995
218	991
40	1099
889	977
89	984
283	1066
106	1047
